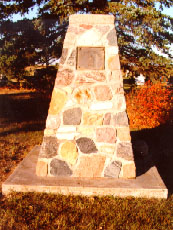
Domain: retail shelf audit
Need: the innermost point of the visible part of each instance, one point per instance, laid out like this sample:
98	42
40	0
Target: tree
140	26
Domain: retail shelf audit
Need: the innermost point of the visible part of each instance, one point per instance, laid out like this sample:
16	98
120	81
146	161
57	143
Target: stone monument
87	132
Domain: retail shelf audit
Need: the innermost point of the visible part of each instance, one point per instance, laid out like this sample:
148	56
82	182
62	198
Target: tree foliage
140	25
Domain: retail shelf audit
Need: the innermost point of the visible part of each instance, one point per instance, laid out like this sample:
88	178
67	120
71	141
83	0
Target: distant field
22	121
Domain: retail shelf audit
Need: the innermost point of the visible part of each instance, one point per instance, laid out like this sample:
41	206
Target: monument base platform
24	179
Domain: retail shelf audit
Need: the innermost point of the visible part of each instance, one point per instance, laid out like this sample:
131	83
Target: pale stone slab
91	19
149	185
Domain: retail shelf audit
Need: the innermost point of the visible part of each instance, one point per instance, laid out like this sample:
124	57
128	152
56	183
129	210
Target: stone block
112	38
123	134
64	77
86	131
72	116
41	168
120	119
49	132
53	122
106	148
107	119
64	55
68	152
129	171
124	150
90	166
82	95
101	105
91	19
115	76
106	135
86	145
113	169
114	63
92	118
121	106
90	77
49	147
86	26
59	168
102	29
72	58
102	93
59	98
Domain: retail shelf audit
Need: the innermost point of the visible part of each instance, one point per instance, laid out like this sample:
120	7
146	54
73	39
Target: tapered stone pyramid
87	131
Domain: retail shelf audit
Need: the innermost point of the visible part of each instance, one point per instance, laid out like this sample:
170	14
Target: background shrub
149	106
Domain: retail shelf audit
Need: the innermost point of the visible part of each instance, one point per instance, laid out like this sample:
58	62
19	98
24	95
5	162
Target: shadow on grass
159	141
23	112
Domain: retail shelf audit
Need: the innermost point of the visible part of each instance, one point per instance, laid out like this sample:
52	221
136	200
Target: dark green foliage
140	26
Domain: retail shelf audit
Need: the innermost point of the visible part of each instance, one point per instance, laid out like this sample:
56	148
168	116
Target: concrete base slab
24	179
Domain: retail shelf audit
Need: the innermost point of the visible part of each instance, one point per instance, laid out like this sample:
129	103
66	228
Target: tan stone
59	98
114	63
49	132
102	93
106	135
69	152
129	171
82	96
106	149
86	131
123	134
41	168
90	166
92	118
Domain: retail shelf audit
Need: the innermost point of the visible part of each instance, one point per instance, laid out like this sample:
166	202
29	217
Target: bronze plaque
92	58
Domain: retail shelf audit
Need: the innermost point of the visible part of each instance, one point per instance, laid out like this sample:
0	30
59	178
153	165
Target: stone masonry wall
87	132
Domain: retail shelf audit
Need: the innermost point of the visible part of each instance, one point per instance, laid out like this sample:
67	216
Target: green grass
22	120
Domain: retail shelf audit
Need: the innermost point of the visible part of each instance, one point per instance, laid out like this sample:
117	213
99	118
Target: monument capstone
87	132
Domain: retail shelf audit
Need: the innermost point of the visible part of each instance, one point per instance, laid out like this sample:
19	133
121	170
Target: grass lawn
22	120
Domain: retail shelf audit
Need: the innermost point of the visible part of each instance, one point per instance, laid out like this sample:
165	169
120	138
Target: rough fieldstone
113	170
90	166
49	147
82	96
112	38
114	63
106	135
71	60
90	77
121	119
124	150
92	118
129	171
41	168
64	55
102	93
64	77
86	27
53	122
59	168
107	119
102	29
69	152
86	145
123	134
58	101
72	116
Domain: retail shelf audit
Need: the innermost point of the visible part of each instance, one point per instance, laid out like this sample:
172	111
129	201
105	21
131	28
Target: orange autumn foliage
149	106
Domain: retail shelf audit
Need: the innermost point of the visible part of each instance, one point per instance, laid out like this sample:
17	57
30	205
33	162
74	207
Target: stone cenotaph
87	132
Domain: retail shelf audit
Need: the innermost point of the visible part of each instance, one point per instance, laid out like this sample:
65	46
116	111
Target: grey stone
64	55
121	119
59	168
49	147
113	170
112	38
124	150
86	145
71	60
72	116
